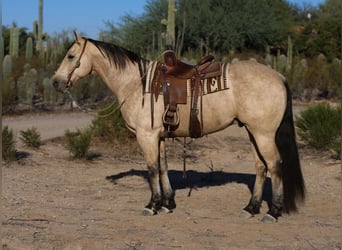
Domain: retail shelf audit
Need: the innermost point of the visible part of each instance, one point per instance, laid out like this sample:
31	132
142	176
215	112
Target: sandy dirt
51	201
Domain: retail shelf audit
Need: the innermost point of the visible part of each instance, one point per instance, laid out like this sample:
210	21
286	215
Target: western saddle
171	79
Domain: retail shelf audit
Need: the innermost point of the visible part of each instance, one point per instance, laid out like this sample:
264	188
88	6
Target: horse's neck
123	83
126	86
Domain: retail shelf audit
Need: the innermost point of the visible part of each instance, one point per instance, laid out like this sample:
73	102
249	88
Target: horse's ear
77	38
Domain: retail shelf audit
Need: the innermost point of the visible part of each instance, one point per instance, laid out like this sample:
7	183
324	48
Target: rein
106	108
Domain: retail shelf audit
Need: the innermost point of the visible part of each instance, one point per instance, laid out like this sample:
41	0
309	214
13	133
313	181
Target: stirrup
171	121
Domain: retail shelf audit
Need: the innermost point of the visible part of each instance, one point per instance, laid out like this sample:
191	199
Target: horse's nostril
55	83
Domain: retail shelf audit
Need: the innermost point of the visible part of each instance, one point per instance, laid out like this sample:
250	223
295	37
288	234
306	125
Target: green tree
139	34
211	25
224	25
322	33
331	9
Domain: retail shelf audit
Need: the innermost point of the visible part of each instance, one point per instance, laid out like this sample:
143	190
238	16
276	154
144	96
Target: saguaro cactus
35	30
171	19
27	85
289	55
49	91
7	66
40	29
268	57
32	78
279	62
29	48
170	24
2	47
14	42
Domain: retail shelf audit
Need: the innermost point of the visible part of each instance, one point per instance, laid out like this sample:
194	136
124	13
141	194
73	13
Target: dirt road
51	201
49	125
52	125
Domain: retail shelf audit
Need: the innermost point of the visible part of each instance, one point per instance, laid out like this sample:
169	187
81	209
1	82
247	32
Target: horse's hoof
269	219
245	214
148	212
164	210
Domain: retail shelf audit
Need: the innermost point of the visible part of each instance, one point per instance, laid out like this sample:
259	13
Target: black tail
293	182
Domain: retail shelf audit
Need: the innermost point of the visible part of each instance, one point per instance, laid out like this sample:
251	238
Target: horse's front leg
167	191
149	143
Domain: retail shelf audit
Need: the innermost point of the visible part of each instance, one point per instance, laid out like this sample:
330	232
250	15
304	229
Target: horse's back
259	93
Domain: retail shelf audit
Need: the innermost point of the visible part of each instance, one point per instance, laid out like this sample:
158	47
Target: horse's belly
215	113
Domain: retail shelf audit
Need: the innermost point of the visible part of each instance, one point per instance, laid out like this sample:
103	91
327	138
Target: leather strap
77	65
195	128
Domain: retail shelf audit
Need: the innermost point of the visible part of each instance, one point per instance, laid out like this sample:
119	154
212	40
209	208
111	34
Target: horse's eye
71	57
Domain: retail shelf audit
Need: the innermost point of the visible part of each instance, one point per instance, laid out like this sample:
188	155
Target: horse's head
75	65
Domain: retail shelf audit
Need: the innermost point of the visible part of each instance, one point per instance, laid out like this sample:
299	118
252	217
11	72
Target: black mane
115	54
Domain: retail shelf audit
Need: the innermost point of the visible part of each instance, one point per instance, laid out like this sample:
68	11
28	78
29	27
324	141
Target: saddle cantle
171	79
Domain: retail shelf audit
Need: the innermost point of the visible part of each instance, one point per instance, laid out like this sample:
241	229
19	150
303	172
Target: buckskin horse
252	94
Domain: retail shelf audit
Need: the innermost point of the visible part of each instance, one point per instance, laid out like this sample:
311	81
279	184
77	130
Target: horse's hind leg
268	159
168	193
254	204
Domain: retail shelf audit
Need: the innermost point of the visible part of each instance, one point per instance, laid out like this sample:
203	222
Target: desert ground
52	201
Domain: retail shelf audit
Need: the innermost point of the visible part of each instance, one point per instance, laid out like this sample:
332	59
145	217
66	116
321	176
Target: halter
77	65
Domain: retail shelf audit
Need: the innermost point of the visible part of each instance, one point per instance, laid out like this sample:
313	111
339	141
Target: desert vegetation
304	48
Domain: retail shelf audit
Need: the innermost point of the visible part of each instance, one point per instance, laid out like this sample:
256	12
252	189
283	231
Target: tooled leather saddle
171	79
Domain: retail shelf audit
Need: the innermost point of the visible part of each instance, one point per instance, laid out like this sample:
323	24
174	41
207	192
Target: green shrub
30	137
78	143
8	144
110	125
320	127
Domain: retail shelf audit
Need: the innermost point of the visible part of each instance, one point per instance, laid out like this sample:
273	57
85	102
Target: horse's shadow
195	180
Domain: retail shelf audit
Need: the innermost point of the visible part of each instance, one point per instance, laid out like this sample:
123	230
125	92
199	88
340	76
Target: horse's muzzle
60	85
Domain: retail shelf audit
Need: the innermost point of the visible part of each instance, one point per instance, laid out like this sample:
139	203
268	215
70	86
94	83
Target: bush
320	127
8	144
110	125
30	137
78	143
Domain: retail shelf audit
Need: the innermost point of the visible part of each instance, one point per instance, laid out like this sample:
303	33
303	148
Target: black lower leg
275	210
155	203
169	201
253	207
156	200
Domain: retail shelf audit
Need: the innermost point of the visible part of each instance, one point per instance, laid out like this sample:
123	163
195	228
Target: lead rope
83	109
